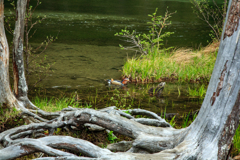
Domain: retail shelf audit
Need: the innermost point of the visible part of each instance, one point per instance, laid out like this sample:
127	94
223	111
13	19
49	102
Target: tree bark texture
20	85
6	96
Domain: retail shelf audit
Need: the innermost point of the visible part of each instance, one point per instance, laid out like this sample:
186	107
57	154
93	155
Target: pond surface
175	98
86	52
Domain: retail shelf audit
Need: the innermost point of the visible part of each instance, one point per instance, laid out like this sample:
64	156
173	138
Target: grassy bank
181	65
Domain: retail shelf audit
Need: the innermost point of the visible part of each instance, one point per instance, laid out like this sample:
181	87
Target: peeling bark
228	132
220	84
20	85
6	96
233	19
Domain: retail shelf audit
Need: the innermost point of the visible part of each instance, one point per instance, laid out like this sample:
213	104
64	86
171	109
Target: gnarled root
147	139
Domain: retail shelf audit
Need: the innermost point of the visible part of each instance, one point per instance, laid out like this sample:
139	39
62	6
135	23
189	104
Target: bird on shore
156	91
118	83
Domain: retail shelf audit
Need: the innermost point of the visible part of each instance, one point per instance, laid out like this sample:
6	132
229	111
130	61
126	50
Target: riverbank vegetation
156	63
179	65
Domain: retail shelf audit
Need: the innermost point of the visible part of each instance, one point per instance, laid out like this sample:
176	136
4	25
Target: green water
87	52
175	98
94	22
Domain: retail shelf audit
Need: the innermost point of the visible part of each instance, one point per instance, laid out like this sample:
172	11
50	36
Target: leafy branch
147	43
213	15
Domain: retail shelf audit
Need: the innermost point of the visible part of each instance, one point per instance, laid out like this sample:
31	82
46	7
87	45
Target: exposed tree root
151	139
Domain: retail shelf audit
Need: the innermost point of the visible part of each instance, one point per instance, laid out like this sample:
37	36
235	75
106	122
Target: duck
158	90
119	83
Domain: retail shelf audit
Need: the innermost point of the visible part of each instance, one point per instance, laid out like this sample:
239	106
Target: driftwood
15	139
208	137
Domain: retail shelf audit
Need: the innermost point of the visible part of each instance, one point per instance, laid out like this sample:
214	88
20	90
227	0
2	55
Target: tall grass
54	104
181	65
198	91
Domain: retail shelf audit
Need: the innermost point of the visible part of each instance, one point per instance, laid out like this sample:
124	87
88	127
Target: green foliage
121	100
88	105
201	91
150	42
127	112
111	137
8	114
58	131
179	92
54	104
172	122
187	121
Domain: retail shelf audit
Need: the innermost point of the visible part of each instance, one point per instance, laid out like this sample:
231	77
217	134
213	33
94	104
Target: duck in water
156	91
118	83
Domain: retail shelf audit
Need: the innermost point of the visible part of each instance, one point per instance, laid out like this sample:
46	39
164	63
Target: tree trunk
6	96
20	85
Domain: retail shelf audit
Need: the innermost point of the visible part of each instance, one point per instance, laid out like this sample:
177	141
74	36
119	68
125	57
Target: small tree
147	43
212	15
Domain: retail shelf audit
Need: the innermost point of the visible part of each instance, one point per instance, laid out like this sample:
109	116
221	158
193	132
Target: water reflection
174	99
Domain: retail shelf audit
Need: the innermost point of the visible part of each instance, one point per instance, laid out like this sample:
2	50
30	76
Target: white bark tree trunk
6	96
20	85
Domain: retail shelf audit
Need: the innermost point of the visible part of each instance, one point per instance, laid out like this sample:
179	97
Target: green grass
54	104
236	141
180	65
197	91
111	98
